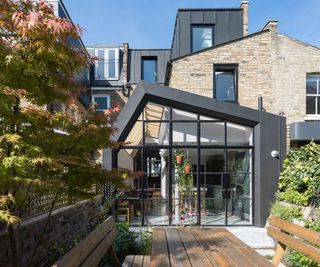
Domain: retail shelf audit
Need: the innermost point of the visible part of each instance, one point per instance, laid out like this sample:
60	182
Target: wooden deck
186	247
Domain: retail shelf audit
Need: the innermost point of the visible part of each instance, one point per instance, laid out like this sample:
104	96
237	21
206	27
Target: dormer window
107	65
202	37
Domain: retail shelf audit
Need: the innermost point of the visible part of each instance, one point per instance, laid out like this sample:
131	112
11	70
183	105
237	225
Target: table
201	247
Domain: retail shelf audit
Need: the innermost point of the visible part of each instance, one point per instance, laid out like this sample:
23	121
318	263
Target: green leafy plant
286	213
124	243
299	182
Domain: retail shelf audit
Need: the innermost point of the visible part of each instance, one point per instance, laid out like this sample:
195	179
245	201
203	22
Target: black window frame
201	26
149	58
227	67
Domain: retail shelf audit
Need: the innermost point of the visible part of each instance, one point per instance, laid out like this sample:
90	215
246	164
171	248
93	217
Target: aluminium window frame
106	64
201	26
315	115
227	67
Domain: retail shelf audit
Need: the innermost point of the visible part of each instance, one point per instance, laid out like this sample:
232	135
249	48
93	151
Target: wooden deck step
136	261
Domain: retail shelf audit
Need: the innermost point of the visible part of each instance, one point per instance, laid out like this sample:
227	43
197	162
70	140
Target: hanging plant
187	168
179	157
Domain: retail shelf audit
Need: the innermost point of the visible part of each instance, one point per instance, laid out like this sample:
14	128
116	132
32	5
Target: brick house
264	64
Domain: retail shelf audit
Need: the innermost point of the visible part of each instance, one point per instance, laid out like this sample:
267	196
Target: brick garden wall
66	224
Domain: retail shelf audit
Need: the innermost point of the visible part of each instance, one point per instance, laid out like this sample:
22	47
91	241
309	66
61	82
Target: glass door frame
170	147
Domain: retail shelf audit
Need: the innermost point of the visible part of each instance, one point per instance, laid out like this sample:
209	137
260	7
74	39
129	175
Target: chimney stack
125	60
271	25
245	7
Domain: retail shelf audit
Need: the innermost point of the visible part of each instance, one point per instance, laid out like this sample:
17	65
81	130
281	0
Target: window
107	65
102	101
225	83
313	94
149	69
202	37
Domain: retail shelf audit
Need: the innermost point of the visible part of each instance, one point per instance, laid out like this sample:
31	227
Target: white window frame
101	95
315	116
106	65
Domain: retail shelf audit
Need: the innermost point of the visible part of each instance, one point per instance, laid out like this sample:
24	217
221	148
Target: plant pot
187	169
179	159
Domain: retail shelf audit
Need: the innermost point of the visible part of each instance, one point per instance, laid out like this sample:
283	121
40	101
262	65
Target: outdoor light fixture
275	154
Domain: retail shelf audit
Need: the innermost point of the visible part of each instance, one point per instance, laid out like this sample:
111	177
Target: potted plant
187	168
179	157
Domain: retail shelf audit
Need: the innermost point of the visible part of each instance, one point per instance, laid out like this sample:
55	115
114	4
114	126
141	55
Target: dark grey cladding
269	134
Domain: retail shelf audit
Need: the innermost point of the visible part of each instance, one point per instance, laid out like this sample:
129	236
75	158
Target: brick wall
270	64
65	225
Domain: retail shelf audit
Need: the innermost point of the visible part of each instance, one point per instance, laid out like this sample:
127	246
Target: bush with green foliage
131	243
286	213
299	182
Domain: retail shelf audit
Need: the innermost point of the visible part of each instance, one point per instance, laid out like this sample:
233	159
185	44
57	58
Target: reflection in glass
179	115
201	37
239	211
239	160
212	133
156	212
239	135
225	85
184	133
213	212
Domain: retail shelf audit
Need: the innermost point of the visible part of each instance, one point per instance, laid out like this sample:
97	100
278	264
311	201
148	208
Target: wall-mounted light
275	154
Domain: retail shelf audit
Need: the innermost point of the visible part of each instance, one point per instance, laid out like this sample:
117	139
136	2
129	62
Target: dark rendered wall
135	56
269	135
228	25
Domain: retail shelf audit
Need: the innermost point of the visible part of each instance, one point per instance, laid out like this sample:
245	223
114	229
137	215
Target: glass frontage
194	170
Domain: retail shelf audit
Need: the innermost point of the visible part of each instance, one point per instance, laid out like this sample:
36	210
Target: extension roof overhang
146	92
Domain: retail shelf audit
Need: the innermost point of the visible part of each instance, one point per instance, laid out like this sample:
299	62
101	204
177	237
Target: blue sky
150	23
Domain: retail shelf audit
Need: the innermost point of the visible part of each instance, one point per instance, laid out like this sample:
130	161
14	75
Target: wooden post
280	251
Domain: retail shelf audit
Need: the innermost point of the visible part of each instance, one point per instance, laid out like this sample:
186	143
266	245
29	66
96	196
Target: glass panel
239	211
149	69
112	64
181	115
184	133
156	112
184	211
318	105
134	138
156	212
157	176
184	186
212	170
102	102
213	212
311	105
129	210
311	84
101	64
156	133
204	118
201	38
240	160
212	133
225	85
239	135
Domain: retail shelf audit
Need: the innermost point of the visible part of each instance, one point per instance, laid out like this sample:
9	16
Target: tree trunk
14	244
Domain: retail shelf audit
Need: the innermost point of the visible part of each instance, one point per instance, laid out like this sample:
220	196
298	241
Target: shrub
286	213
299	182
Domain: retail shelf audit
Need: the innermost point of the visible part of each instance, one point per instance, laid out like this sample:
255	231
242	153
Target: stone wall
66	224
